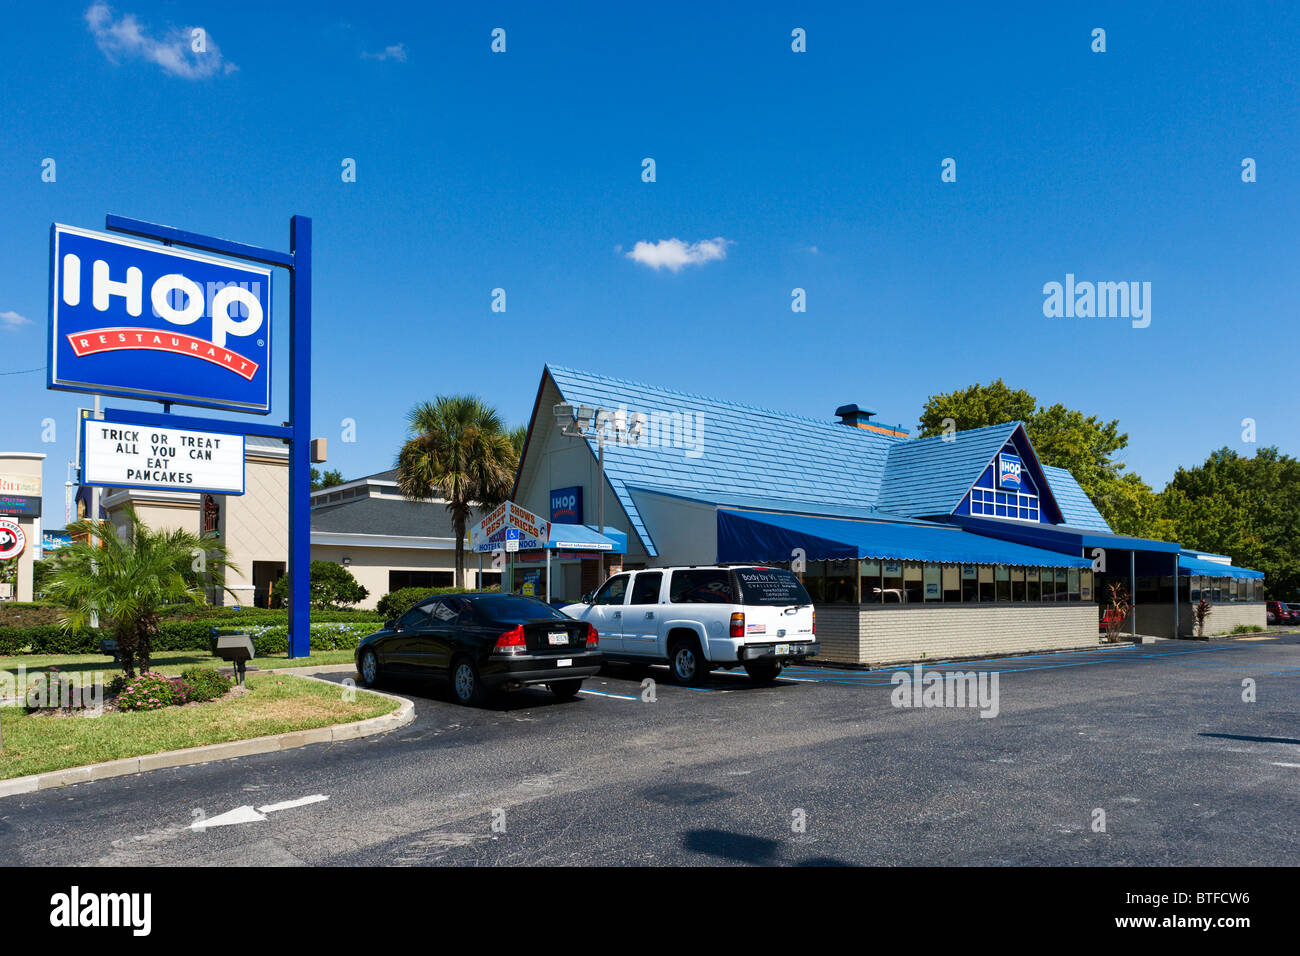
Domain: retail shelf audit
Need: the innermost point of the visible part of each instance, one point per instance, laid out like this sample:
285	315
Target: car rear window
510	607
771	587
702	586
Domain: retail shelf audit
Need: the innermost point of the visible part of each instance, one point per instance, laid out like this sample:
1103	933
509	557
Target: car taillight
737	625
511	641
593	636
814	613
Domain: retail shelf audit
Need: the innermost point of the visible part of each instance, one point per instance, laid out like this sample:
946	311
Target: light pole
583	421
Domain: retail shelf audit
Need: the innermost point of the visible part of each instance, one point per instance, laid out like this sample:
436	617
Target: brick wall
886	635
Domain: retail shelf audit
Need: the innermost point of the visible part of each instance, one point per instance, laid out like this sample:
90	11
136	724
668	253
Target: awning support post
1132	594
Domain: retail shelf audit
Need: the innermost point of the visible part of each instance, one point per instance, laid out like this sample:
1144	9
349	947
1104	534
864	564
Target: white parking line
601	693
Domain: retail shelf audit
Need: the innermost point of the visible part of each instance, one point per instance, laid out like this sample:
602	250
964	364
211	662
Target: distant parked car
1282	614
481	642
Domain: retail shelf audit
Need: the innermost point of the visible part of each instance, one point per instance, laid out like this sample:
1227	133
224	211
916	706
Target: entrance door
265	574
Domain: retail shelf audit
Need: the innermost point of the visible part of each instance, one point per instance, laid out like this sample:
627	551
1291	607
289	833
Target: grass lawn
170	663
276	703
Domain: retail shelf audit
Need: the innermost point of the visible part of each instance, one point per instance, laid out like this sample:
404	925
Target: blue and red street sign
141	320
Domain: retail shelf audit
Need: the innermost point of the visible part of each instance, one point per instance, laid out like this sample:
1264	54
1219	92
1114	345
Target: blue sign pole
298	430
300	444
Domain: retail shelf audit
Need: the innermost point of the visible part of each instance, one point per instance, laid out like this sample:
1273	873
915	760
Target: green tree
127	577
457	449
1063	437
327	480
1244	508
332	586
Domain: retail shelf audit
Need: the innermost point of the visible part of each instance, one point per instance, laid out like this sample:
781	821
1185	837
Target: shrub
204	683
147	692
331	585
396	603
1246	629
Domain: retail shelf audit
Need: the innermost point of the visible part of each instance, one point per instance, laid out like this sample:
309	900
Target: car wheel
369	669
686	665
763	672
465	683
565	689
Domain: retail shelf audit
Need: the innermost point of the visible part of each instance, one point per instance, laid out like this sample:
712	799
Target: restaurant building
959	545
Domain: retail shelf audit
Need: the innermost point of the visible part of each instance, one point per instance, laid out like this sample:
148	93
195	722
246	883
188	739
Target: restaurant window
892	588
1194	588
986	583
951	583
869	578
1018	585
1061	583
1048	584
912	583
969	584
814	580
1002	582
1073	585
933	582
841	582
1033	585
1085	585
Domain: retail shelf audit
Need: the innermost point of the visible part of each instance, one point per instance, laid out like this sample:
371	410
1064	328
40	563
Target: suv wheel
763	672
686	665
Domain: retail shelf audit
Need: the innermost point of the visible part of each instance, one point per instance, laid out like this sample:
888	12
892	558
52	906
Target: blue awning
763	536
1213	569
584	537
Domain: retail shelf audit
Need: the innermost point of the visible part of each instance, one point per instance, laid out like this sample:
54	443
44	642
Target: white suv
697	618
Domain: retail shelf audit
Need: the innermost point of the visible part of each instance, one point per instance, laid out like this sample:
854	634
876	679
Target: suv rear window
770	587
703	586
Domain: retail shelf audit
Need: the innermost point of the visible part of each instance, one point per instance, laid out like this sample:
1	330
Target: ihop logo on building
566	505
1009	467
136	319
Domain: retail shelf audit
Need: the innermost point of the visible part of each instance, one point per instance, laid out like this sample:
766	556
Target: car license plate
558	637
567	662
782	649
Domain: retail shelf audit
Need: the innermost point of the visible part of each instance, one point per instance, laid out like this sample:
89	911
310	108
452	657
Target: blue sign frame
195	352
297	431
572	514
1003	481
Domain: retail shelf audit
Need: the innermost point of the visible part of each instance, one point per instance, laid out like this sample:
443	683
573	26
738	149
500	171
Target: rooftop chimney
859	417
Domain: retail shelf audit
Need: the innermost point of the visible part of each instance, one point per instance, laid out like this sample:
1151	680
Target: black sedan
481	642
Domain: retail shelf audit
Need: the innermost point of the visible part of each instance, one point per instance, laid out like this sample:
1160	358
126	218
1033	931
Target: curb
402	716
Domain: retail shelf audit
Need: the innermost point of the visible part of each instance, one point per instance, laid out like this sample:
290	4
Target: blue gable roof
1076	507
930	476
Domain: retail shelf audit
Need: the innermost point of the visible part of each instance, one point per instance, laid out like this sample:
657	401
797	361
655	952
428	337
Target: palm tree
125	578
459	450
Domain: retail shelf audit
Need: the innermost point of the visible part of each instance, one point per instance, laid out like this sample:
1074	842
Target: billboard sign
1009	467
492	533
140	320
20	505
168	459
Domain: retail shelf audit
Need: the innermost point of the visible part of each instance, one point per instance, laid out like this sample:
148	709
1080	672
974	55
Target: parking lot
818	768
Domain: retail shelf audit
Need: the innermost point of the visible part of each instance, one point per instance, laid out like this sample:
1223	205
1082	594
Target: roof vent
858	417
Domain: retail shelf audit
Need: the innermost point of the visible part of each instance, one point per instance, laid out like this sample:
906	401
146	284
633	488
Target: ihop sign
141	320
1009	468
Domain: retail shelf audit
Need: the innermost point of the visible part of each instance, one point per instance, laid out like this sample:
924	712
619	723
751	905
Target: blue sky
818	170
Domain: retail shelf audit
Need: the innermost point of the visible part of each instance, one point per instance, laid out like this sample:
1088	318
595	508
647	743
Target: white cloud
12	320
673	254
395	52
125	39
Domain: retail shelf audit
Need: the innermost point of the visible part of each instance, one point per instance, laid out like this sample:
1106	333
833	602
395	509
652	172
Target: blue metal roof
930	476
764	536
1213	569
1076	507
731	446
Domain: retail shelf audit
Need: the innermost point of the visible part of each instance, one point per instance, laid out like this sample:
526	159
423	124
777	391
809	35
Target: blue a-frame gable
1025	497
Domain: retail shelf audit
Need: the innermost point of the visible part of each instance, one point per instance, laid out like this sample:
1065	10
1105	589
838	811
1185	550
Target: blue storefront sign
1009	467
141	320
566	505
